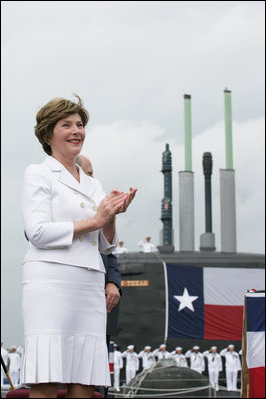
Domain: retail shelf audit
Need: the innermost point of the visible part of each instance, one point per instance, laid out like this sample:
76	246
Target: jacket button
93	243
82	205
94	208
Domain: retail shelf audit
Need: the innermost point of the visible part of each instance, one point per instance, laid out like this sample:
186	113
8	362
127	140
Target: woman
68	220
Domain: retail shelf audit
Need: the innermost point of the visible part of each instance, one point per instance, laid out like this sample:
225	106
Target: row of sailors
143	246
197	362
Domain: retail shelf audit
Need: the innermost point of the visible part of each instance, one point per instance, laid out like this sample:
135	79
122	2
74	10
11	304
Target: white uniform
4	354
197	362
120	250
232	366
179	358
132	365
215	365
145	246
161	355
148	359
14	367
118	364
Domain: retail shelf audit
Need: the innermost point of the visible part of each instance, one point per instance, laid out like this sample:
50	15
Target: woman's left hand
129	198
112	296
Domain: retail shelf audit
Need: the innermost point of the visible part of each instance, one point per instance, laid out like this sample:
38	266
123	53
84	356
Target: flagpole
166	303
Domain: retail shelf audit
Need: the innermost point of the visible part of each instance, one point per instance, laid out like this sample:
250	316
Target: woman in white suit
68	220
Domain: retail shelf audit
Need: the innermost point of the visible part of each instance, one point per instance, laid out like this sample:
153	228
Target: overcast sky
132	62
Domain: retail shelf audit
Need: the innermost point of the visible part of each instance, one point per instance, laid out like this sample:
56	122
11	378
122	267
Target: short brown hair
51	113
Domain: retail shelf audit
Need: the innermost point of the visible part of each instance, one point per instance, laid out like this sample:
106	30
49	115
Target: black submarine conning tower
207	239
166	239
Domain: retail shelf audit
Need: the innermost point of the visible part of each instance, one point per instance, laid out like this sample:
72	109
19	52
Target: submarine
143	310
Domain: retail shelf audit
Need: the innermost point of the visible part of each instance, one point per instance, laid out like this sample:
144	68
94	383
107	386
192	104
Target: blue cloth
113	274
183	321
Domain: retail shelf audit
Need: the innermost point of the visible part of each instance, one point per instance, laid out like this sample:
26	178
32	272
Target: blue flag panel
255	313
185	301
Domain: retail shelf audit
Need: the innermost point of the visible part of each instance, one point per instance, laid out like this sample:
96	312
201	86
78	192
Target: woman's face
68	137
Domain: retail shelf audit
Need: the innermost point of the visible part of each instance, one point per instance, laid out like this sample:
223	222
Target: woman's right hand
110	206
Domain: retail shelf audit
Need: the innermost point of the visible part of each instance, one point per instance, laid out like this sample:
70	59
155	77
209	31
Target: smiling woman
69	221
54	111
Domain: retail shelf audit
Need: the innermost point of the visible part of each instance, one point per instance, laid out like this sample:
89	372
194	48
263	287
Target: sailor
161	352
178	356
148	358
120	249
232	366
4	354
132	363
118	365
215	365
197	362
146	245
14	363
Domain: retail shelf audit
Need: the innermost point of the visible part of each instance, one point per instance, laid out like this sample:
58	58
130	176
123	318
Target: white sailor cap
115	345
214	347
178	348
196	347
147	347
231	346
130	347
162	346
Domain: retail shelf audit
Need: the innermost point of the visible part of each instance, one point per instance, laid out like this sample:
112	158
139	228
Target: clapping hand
114	203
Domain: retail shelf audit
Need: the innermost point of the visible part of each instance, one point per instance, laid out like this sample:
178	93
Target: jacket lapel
85	187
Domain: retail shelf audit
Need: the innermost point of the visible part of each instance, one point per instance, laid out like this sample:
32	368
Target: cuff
104	246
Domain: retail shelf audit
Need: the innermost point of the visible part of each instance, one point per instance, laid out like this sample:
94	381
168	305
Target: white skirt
64	317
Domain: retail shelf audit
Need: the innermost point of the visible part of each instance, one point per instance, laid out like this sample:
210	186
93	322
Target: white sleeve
124	354
223	352
137	363
40	229
104	246
121	362
155	352
188	353
205	353
203	364
220	364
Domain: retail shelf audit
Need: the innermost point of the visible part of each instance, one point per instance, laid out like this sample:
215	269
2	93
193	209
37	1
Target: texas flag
255	339
207	302
111	356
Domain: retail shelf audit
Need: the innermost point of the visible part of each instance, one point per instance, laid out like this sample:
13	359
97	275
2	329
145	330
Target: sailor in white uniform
120	249
161	352
178	356
14	362
232	366
4	354
118	365
197	362
132	363
148	358
215	365
146	246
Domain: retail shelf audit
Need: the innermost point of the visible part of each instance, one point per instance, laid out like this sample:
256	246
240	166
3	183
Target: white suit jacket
52	200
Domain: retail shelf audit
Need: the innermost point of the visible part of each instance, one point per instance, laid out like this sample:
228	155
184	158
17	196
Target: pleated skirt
64	319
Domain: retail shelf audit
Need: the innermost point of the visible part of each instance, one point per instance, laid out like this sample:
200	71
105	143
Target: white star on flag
185	300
